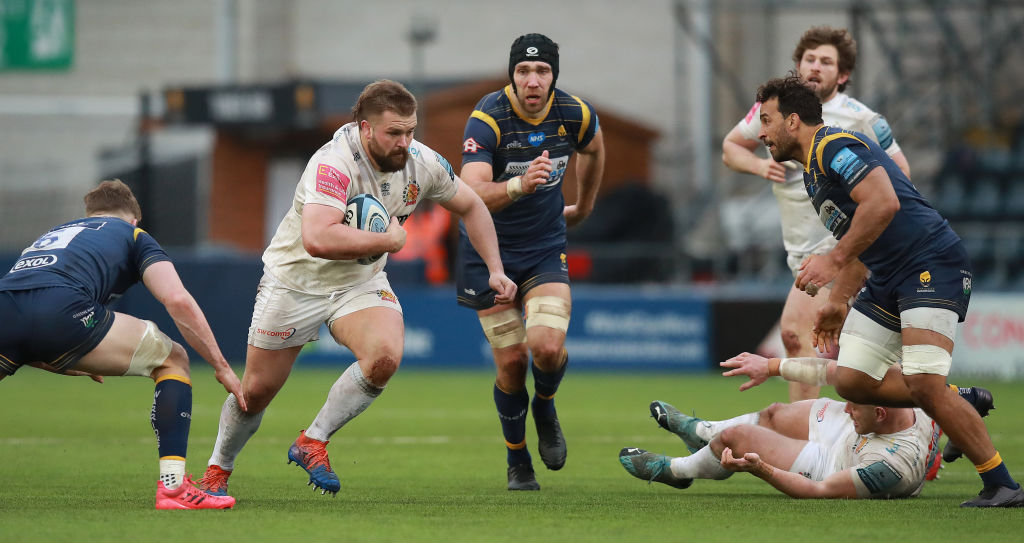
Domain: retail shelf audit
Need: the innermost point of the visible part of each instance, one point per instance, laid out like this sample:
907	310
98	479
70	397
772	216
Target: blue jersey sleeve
147	251
589	124
480	138
846	158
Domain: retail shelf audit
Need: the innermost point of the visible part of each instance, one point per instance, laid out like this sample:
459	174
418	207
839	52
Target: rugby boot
550	441
214	481
311	455
651	467
187	496
521	477
997	496
982	403
684	426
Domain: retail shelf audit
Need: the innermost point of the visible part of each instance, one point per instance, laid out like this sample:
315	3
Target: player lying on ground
809	449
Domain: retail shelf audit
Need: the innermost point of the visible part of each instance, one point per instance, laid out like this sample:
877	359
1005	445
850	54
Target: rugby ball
367	213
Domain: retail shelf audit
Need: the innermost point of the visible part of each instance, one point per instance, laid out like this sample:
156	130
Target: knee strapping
929	359
549	311
153	348
504	329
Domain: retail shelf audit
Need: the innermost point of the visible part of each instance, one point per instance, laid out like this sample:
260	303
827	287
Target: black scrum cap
533	47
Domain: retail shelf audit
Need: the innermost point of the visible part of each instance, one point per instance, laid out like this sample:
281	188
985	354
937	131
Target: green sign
37	34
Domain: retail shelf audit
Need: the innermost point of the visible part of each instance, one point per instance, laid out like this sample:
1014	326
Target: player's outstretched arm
589	170
163	282
837	485
738	154
808	370
480	228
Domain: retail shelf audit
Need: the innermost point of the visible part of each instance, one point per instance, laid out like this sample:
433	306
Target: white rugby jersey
889	465
337	171
801	236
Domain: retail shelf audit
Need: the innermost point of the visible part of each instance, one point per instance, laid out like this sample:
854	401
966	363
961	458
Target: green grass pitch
426	463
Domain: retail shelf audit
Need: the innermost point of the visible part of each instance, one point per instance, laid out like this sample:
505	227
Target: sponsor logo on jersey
469	291
470	146
444	163
385	188
283	334
332	182
86	316
88	320
821	412
535	138
967	286
34	262
514	144
831	216
412	193
387	296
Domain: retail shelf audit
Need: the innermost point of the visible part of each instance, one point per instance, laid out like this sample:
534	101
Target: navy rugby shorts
55	325
941	280
527	268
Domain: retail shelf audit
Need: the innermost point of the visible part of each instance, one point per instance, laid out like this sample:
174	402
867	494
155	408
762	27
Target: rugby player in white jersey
311	276
825	58
819	448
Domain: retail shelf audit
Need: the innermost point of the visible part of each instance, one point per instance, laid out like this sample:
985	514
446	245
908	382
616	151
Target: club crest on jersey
561	130
387	296
470	146
385	188
925	278
412	193
535	138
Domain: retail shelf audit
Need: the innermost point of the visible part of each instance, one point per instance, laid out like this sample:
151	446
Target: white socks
172	473
350	395
702	464
233	432
709	429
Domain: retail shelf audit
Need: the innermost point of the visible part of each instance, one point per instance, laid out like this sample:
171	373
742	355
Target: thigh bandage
930	359
942	321
150	353
504	329
869	347
550	311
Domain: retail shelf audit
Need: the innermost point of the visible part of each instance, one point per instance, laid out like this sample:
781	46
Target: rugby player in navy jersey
53	306
920	282
517	146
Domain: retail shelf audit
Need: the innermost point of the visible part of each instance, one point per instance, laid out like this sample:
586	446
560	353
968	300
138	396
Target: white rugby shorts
283	317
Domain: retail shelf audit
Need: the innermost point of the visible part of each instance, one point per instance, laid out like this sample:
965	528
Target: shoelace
658	467
315	454
214	479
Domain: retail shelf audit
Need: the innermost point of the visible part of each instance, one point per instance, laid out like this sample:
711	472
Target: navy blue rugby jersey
101	255
838	160
498	133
